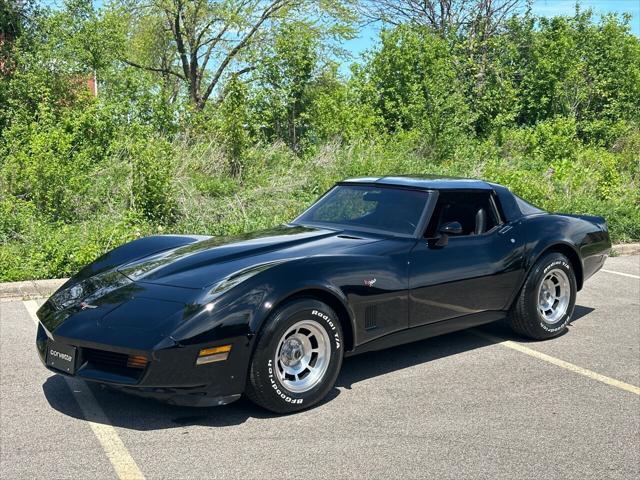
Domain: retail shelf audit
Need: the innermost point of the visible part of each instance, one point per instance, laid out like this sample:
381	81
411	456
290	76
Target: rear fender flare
562	246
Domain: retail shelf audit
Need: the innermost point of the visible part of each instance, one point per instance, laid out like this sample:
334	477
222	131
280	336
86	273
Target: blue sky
548	8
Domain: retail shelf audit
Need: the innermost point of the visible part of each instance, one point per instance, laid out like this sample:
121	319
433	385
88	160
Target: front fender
311	287
341	281
244	309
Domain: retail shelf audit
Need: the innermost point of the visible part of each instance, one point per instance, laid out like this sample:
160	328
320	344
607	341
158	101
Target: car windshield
388	209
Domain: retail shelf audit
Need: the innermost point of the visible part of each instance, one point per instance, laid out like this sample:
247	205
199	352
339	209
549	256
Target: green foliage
151	177
50	160
287	71
414	86
235	122
547	107
48	251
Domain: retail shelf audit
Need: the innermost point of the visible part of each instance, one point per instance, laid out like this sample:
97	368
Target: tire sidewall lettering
331	323
560	326
555	263
276	387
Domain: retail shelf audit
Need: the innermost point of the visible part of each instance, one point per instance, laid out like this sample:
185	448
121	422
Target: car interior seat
481	222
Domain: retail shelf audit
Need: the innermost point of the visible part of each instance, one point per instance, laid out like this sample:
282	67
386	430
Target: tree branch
174	24
267	13
153	69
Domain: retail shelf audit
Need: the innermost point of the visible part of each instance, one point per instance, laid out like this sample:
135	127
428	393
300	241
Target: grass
198	195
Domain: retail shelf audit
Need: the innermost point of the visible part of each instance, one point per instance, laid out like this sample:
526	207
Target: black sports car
375	262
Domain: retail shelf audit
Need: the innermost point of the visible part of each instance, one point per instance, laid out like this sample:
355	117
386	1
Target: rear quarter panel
588	240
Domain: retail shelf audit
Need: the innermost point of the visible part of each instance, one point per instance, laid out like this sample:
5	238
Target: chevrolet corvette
375	262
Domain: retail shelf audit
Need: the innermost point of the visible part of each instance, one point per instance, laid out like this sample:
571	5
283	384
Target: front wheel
297	358
546	302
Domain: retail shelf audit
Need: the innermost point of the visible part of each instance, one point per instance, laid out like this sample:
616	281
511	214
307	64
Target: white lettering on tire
326	318
557	262
276	388
551	330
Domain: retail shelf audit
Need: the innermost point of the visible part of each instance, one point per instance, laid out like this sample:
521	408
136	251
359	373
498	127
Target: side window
475	210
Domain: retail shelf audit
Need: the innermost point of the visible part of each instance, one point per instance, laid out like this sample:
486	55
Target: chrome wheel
302	356
554	294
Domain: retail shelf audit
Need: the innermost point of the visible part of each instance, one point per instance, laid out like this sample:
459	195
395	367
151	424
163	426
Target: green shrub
181	188
151	176
50	161
16	218
59	250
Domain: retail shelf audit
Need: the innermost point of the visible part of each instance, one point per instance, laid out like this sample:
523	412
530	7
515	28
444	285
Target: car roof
427	182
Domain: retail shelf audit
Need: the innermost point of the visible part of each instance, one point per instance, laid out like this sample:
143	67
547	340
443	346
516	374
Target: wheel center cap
292	351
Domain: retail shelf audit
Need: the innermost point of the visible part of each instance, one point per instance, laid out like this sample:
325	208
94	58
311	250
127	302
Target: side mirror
449	228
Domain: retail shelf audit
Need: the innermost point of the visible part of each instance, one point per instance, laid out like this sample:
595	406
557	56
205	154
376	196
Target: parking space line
121	460
620	273
560	363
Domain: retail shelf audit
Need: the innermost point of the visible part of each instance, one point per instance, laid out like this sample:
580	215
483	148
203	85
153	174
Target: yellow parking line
120	458
620	273
559	363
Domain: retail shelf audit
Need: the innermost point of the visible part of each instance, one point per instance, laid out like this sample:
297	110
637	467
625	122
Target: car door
476	271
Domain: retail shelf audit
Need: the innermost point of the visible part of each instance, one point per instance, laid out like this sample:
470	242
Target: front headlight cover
89	289
69	296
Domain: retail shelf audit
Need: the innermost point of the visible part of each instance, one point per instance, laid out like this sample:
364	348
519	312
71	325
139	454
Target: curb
626	249
31	289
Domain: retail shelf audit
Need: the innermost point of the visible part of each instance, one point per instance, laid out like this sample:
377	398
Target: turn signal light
137	361
213	354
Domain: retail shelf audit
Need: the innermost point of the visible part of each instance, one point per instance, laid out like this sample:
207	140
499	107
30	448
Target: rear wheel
546	302
297	358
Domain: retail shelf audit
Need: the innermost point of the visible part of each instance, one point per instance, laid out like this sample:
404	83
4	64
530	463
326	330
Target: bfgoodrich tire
545	305
297	358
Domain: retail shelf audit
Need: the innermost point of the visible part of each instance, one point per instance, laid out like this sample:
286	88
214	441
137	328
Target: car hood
206	262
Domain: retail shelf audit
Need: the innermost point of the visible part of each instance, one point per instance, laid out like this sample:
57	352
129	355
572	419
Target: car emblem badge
84	306
370	283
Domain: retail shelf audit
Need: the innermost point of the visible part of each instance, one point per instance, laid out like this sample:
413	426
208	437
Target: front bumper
171	374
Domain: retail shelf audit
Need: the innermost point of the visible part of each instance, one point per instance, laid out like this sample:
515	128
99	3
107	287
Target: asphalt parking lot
480	403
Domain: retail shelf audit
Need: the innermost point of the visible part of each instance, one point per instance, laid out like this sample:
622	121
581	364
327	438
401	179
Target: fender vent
370	316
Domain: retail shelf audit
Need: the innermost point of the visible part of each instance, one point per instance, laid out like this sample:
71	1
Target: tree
205	38
14	17
414	86
478	18
288	66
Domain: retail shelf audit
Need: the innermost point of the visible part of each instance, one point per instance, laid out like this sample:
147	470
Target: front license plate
61	357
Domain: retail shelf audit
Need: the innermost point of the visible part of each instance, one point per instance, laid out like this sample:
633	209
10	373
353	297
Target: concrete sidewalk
29	289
